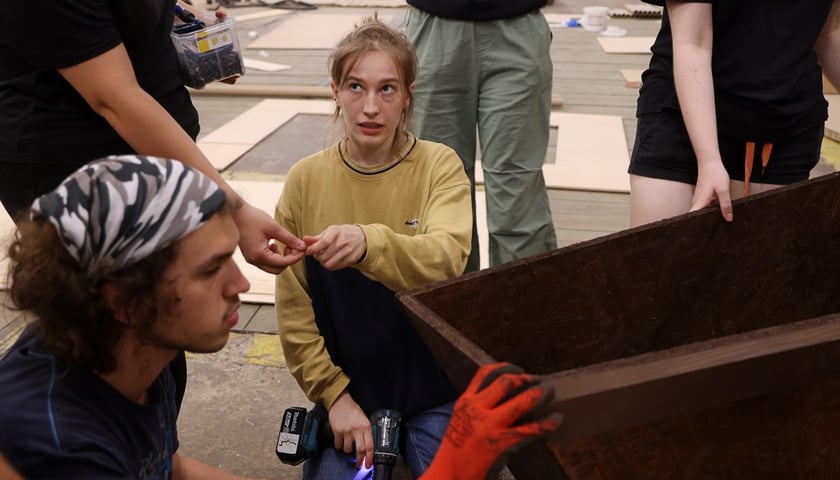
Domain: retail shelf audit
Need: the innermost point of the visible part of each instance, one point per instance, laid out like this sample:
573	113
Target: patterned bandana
116	211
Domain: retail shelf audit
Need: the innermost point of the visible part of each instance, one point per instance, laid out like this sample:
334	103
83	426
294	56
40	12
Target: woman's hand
351	428
338	246
712	184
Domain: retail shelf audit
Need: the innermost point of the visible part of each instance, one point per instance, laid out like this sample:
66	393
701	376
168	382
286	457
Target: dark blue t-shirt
67	423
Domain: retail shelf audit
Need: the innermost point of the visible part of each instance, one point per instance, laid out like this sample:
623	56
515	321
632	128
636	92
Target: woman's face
372	102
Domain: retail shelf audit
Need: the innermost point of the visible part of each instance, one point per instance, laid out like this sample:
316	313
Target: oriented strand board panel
626	44
310	30
591	154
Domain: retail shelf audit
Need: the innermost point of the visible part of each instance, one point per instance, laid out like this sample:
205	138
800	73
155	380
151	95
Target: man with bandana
126	263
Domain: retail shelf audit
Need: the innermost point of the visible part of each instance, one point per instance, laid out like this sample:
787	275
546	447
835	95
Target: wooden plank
695	377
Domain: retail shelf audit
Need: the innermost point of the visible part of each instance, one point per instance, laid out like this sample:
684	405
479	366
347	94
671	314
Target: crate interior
675	282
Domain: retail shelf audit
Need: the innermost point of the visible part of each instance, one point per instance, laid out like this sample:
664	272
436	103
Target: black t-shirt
372	339
767	81
477	9
42	118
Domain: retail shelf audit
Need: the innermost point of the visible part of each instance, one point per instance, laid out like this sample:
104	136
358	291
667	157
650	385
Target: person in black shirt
731	102
82	80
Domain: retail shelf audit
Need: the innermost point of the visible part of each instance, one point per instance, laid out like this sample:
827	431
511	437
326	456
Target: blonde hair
374	36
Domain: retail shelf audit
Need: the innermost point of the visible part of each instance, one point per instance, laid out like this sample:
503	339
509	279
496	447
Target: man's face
206	283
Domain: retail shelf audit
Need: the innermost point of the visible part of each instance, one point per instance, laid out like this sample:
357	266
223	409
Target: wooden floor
587	79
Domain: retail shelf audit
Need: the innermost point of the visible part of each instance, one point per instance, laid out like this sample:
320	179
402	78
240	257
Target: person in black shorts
731	103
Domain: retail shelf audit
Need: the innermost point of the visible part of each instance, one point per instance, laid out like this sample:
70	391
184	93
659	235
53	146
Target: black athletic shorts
663	150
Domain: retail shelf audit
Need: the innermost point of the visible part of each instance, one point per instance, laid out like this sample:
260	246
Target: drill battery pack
298	438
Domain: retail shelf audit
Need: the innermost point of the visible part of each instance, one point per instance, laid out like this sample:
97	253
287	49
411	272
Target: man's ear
115	301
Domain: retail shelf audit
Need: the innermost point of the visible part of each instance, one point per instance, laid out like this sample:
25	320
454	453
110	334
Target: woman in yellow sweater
380	211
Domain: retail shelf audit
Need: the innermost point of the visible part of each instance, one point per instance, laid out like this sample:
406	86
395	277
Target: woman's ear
115	301
410	95
334	89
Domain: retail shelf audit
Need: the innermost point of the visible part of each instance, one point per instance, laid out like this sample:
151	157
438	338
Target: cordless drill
385	426
303	433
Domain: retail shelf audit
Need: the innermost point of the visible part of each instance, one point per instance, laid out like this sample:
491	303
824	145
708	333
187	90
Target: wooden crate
689	348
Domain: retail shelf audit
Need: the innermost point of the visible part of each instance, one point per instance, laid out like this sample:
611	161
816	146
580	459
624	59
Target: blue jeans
420	437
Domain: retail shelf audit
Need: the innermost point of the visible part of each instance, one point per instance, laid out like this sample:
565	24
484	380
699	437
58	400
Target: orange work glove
494	415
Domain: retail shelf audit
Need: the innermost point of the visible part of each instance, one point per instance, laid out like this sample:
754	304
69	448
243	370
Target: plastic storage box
209	54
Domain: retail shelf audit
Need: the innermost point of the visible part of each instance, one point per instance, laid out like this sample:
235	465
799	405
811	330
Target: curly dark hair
73	318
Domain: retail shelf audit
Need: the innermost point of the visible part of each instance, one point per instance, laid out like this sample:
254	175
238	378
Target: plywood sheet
7	228
832	125
591	154
360	3
626	44
227	143
263	195
632	77
310	30
264	66
261	15
559	19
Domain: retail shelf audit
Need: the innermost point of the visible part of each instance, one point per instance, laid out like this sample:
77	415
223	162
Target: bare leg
653	199
736	188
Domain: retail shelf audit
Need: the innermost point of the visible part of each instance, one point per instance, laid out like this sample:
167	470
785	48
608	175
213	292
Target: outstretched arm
828	46
6	470
691	27
496	413
108	84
